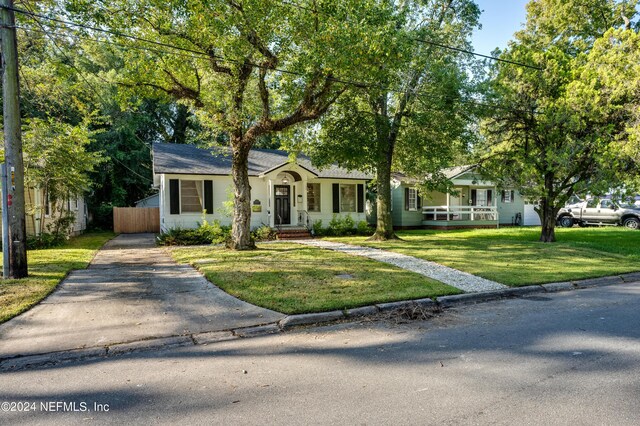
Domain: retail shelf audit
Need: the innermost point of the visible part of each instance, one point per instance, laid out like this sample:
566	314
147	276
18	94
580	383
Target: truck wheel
631	223
566	221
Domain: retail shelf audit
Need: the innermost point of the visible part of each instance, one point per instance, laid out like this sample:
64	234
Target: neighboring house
283	192
150	201
40	214
478	203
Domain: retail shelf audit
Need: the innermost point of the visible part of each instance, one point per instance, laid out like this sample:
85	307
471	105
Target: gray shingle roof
449	173
188	159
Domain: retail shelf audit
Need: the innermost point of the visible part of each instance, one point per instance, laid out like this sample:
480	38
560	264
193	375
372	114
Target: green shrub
339	227
206	233
264	233
45	240
364	229
317	228
58	233
214	232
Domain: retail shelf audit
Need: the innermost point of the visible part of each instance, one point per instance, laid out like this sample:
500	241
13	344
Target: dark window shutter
336	198
208	196
489	197
513	194
360	198
474	196
406	198
174	196
419	201
503	196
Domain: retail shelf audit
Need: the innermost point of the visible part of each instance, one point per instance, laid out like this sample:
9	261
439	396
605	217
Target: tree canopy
559	127
416	118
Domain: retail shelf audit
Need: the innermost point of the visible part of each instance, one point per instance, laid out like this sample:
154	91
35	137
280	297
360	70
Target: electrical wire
432	43
361	85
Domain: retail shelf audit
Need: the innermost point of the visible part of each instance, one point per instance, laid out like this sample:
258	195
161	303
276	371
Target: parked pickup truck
599	212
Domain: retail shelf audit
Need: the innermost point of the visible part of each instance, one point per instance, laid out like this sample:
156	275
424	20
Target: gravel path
462	280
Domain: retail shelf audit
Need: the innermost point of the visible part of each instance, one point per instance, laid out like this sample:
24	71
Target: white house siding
262	191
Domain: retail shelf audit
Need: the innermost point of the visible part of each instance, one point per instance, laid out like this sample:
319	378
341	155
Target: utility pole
14	192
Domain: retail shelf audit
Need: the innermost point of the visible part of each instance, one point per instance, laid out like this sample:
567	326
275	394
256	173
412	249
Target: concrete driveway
131	291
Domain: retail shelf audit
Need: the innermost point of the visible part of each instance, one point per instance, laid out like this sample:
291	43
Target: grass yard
513	256
46	269
292	278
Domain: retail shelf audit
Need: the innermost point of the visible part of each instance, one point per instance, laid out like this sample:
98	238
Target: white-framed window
413	199
313	197
481	197
75	204
348	198
191	196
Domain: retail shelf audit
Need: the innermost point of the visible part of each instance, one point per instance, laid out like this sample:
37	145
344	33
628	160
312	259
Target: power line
160	51
206	56
432	43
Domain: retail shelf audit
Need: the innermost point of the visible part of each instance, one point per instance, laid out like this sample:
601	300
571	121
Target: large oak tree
559	127
248	68
416	117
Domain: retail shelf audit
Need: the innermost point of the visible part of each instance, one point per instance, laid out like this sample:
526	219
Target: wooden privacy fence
135	220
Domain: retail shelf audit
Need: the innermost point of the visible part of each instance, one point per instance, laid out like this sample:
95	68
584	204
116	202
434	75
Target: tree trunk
548	220
386	143
384	225
241	226
549	211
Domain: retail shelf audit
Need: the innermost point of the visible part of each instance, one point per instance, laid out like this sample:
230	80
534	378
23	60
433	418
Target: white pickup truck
599	213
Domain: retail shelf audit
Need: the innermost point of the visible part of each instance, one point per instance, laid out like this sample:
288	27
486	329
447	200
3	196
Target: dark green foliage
57	233
264	233
206	233
342	226
209	233
45	241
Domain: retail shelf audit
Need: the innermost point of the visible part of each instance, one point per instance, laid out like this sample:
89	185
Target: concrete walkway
461	280
132	291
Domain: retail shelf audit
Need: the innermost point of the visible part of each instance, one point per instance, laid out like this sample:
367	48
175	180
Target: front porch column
272	222
448	204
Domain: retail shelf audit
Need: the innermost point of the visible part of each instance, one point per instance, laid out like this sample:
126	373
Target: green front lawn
46	269
513	256
293	278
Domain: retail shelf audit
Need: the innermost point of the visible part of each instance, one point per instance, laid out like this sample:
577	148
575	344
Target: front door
283	205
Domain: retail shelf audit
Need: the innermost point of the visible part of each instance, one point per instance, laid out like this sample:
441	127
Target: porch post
448	204
272	223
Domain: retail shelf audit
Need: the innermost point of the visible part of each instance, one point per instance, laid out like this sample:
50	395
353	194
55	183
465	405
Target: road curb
291	321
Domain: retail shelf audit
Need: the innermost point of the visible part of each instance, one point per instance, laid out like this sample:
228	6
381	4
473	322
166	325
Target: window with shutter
191	196
313	197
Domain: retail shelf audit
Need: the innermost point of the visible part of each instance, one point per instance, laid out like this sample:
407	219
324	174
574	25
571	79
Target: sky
500	19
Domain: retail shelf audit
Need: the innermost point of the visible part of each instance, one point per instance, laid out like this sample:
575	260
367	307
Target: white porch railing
451	213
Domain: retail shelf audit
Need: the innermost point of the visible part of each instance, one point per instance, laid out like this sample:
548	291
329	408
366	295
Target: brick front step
294	234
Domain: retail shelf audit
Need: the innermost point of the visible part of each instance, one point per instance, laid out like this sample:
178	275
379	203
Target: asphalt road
561	358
